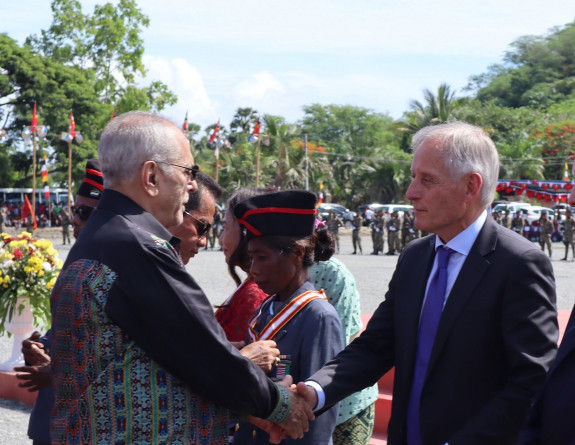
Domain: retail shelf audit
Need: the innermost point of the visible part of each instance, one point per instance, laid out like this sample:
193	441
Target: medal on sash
283	317
278	372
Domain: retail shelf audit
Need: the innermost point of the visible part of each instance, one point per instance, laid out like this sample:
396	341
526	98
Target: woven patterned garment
108	390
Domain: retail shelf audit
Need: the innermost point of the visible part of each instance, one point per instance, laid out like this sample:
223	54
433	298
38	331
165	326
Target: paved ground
372	274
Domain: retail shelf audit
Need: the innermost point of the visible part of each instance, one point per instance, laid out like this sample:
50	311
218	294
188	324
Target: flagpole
69	174
306	162
217	164
258	162
34	171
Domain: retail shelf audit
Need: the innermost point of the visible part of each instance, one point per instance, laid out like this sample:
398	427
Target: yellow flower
50	284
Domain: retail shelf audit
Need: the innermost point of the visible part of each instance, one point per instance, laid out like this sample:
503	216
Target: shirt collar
463	242
112	200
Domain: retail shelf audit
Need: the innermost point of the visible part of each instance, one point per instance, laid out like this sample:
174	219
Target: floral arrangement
28	269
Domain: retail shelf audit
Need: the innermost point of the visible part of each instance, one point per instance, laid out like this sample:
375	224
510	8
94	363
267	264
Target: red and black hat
285	213
93	183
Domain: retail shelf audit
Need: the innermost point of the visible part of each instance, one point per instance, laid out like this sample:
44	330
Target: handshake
303	399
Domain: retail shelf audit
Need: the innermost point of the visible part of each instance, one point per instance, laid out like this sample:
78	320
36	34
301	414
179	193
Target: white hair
467	149
133	138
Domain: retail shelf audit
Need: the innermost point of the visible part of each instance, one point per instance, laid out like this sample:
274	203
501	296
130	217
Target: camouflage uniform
333	223
408	231
506	220
545	232
65	221
496	217
393	226
355	238
377	232
568	229
517	224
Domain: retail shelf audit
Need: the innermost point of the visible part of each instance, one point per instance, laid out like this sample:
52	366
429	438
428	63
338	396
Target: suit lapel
470	275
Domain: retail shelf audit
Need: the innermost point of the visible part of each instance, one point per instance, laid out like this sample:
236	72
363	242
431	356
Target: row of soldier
400	230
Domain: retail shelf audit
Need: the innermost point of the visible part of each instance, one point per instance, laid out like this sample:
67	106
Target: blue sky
276	57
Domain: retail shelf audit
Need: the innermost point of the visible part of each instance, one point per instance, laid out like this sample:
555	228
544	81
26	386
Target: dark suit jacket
552	416
496	339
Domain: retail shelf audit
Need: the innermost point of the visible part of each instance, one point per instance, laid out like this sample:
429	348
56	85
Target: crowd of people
136	354
12	214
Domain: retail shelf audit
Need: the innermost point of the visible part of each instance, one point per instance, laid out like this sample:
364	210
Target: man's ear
149	176
474	185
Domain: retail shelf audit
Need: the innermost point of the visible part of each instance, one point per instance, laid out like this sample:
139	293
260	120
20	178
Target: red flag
216	129
72	126
27	210
185	125
257	127
45	178
34	119
113	114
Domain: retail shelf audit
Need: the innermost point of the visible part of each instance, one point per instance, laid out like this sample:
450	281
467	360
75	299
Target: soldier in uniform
506	220
355	238
333	224
377	232
65	220
568	229
517	224
545	232
393	226
407	230
496	217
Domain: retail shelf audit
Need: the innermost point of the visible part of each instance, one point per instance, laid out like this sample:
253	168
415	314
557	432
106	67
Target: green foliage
107	42
538	71
82	63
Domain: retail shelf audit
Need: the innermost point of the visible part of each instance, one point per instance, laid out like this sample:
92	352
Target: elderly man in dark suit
469	320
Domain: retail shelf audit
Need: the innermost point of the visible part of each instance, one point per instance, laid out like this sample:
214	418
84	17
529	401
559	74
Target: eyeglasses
203	227
83	212
191	172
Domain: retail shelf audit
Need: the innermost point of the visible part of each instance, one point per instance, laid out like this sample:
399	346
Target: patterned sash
283	317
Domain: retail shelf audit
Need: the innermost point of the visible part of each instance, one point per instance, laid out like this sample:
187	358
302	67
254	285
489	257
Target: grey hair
467	149
133	138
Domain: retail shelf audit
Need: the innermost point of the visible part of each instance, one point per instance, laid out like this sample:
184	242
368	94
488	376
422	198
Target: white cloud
257	88
186	82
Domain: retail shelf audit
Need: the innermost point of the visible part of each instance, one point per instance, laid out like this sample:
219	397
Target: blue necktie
430	315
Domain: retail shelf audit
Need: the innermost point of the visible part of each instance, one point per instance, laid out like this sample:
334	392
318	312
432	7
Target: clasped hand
301	412
36	375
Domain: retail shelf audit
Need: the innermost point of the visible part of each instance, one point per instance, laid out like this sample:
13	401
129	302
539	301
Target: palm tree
521	160
437	108
281	135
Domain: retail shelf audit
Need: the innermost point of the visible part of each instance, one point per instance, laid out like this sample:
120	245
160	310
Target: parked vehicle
342	212
533	213
511	206
401	208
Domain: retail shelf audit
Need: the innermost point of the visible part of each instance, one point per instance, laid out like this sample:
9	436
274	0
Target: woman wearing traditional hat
282	245
234	314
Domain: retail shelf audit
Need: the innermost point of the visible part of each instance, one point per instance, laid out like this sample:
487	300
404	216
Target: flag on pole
257	127
113	114
45	178
185	125
72	126
27	211
216	130
566	175
34	119
320	197
255	134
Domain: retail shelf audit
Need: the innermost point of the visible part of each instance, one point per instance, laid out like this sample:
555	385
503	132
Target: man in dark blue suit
551	419
469	319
